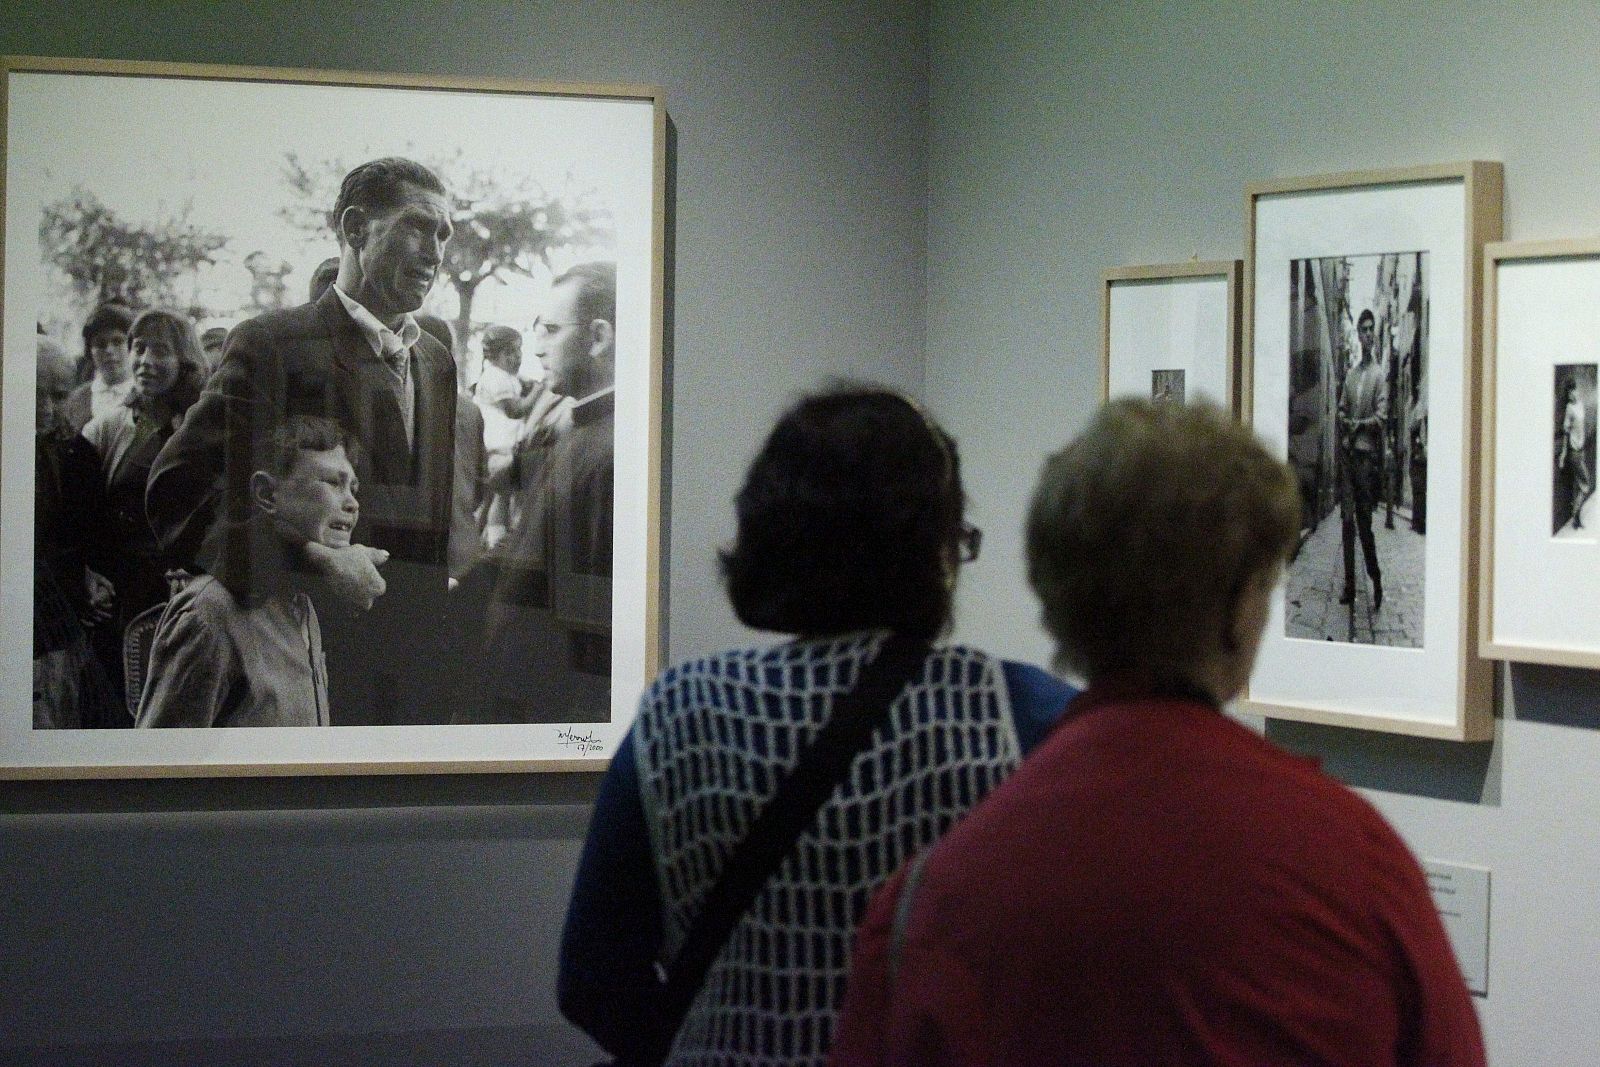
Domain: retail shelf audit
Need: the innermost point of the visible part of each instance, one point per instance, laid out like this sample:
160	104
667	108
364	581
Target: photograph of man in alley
1358	443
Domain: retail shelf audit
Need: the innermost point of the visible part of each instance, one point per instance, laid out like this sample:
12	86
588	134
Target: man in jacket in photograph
548	639
1363	403
357	355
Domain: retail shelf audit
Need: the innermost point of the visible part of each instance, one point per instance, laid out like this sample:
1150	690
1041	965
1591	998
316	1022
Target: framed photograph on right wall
1170	332
1540	576
1360	365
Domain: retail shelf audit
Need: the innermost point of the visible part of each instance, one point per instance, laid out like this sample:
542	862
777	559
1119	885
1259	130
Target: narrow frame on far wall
555	199
1541	353
1363	294
1171	331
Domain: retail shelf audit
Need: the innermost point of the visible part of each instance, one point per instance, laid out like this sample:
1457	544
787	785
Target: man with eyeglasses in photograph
548	636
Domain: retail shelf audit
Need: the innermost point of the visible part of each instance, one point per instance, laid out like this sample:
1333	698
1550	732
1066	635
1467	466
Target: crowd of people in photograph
311	517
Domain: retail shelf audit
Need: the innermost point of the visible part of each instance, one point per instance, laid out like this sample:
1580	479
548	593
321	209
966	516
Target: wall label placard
1461	893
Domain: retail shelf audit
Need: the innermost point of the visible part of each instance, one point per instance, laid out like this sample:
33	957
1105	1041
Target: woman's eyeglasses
968	542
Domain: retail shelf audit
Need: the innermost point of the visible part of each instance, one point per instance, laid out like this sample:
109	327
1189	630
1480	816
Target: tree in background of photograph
110	259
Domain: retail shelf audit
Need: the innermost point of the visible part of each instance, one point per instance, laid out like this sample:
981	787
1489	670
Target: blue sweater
613	930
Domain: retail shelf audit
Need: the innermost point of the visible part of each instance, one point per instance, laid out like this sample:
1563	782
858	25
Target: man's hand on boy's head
351	572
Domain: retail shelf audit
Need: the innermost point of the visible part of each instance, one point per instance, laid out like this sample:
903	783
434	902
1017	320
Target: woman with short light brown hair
1157	883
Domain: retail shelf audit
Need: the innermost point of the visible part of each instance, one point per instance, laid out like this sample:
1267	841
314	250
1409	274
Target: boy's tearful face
317	498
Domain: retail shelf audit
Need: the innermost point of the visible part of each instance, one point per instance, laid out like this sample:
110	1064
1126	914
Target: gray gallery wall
1067	138
232	921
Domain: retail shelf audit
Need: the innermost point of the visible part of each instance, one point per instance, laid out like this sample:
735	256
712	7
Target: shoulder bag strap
856	715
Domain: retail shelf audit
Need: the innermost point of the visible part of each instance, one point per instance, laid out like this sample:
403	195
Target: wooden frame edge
1465	731
140	68
1484	195
1229	269
656	419
306	770
1483	190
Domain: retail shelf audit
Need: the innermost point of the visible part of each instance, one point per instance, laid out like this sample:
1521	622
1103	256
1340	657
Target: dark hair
322	276
107	316
380	185
597	291
305	433
436	328
1366	316
177	330
848	519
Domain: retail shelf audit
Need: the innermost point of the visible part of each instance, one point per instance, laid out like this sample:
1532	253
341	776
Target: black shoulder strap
855	717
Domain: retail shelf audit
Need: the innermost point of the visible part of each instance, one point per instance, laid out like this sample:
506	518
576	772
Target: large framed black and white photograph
1170	332
1362	301
332	417
1541	561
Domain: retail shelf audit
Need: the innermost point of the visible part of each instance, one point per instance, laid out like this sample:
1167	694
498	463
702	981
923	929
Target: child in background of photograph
243	647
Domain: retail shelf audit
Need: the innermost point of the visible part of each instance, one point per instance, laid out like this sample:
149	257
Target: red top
1159	885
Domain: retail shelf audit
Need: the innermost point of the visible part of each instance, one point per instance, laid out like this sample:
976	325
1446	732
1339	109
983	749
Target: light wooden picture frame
1171	331
1541	353
216	198
1360	365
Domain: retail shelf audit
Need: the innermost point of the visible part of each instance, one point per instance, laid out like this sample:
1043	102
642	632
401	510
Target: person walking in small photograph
241	646
1166	386
1362	403
1574	448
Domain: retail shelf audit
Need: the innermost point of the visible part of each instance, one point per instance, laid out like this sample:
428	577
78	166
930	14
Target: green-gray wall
212	919
1071	137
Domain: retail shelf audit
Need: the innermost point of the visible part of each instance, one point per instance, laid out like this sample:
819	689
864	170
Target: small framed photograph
1170	332
1362	296
332	420
1541	557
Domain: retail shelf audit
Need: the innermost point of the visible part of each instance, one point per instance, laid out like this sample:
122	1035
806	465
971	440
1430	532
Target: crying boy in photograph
242	646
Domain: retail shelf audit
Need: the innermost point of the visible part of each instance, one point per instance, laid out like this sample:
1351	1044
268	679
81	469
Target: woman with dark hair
103	381
168	371
849	531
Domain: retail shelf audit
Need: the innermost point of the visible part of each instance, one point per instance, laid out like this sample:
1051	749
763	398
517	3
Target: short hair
304	433
848	519
1366	316
1144	530
380	185
322	276
498	337
436	328
177	330
597	291
108	316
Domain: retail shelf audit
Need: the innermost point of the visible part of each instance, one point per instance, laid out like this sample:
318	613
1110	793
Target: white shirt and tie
395	350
